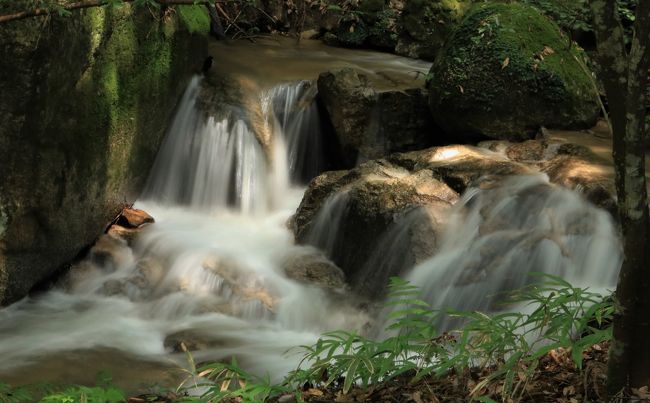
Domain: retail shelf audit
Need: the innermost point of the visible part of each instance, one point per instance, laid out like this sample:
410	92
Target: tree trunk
625	75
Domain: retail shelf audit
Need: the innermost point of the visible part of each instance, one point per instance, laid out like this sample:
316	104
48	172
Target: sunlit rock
592	178
461	166
134	218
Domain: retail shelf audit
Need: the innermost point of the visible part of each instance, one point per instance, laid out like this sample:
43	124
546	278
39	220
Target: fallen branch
37	12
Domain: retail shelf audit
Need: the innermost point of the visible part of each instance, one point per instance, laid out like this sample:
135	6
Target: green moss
195	19
511	68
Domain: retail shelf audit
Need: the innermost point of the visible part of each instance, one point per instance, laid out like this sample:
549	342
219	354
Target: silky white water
210	271
498	236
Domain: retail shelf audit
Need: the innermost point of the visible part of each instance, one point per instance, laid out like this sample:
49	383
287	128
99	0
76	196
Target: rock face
350	215
504	72
370	124
425	24
84	107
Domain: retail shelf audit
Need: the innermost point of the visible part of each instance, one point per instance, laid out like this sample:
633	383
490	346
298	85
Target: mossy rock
426	24
84	109
506	71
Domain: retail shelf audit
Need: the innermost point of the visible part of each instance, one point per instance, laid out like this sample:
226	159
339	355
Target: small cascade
209	163
499	235
325	232
297	117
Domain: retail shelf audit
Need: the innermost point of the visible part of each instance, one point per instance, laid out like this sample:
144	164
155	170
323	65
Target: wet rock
313	268
588	176
113	287
134	218
127	234
530	150
370	123
509	79
186	340
461	166
110	253
242	283
370	210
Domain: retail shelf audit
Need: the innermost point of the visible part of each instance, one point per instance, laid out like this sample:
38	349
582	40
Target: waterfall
210	273
296	111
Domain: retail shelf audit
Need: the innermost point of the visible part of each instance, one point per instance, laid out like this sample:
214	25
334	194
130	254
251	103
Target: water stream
210	273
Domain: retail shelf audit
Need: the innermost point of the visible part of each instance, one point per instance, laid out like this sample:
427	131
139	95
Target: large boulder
84	108
425	24
374	221
506	71
371	123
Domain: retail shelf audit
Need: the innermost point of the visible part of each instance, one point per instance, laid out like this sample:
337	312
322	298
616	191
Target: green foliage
575	15
14	395
103	392
507	345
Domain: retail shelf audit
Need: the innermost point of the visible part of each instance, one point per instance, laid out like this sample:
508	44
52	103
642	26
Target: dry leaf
569	390
417	397
505	63
547	51
462	90
313	392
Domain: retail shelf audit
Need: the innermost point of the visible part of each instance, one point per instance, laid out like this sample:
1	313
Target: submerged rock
313	268
370	123
507	70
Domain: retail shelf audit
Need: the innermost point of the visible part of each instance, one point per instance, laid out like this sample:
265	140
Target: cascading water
211	272
297	116
499	235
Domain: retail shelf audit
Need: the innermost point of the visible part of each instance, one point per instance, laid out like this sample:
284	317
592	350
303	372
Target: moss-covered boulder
425	24
85	103
507	70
